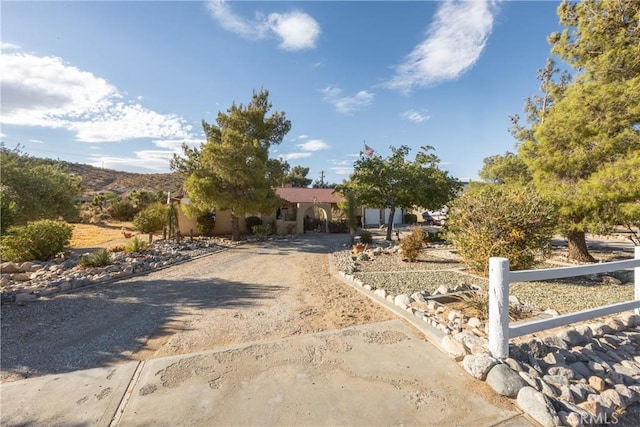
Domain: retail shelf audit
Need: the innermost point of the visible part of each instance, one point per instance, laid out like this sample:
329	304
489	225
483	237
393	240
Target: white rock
381	293
453	348
402	300
538	407
479	365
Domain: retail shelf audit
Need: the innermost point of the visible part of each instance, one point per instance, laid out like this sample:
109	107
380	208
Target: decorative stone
581	369
513	364
563	371
614	397
453	348
554	358
585	331
531	381
474	322
610	280
503	380
599	329
472	343
442	290
616	325
557	380
538	406
554	341
536	347
479	365
548	389
570	419
571	337
596	383
418	297
9	267
629	320
402	300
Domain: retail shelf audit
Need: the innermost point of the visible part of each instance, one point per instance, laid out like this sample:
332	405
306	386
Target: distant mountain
95	179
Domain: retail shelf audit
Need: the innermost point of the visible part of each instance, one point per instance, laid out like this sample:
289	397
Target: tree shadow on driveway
106	324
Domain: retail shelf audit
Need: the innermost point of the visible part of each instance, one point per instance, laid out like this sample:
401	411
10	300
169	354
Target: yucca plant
99	258
135	245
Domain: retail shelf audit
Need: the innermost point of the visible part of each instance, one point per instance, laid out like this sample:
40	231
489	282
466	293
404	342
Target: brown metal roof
308	195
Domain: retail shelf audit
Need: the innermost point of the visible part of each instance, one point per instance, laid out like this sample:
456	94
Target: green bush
121	210
252	221
410	218
135	245
151	219
206	224
501	221
262	230
366	237
412	244
40	240
99	258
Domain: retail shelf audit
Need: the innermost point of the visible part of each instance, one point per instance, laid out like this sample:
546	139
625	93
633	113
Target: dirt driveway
269	300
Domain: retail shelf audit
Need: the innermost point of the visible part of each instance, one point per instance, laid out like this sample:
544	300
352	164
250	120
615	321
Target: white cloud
415	116
338	170
347	104
314	145
47	92
303	137
146	161
454	42
293	156
342	162
37	141
296	30
8	46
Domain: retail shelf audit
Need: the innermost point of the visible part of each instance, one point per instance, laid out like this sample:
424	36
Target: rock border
586	374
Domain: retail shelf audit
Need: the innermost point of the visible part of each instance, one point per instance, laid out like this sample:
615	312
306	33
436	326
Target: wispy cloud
454	42
347	104
342	170
296	30
293	156
314	145
8	46
48	92
37	141
415	116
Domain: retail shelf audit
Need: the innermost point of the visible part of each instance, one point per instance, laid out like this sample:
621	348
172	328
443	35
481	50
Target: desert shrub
410	218
99	258
366	237
206	224
501	221
121	210
412	244
151	219
40	240
262	230
252	221
135	245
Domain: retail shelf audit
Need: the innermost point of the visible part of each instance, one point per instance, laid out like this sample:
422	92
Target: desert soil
250	293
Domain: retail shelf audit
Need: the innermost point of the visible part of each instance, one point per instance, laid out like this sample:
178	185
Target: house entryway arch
313	211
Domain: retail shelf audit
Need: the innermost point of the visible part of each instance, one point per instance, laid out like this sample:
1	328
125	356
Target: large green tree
297	177
33	190
232	169
395	182
582	142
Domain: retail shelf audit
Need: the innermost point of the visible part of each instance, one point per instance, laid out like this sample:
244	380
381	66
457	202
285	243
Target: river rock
479	365
503	380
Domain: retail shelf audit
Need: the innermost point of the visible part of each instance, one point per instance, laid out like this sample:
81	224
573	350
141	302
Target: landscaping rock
538	406
454	348
596	383
479	365
402	300
503	380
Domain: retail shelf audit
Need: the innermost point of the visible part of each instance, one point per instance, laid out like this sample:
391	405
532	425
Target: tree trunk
235	228
578	250
392	212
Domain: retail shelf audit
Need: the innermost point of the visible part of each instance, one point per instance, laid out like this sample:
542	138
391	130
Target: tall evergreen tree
582	145
232	169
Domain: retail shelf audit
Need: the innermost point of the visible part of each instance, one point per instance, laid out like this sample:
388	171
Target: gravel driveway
253	292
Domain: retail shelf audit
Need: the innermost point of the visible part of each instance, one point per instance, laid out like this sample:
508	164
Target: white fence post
636	278
499	307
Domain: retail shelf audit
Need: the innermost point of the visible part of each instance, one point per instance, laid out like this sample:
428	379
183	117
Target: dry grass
92	235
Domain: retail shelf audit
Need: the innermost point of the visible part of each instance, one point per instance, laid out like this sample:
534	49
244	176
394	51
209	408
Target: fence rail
500	277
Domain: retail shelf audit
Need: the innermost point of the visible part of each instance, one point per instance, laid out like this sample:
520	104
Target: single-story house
300	208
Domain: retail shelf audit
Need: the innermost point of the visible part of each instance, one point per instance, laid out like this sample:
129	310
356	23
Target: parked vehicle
430	220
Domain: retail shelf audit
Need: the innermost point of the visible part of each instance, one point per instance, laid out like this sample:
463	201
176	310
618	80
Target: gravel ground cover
440	265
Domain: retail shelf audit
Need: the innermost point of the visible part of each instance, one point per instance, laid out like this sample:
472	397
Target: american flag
368	151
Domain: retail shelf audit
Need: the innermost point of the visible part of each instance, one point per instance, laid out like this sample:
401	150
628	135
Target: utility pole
321	179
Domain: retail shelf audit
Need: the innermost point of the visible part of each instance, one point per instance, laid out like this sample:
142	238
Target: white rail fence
500	277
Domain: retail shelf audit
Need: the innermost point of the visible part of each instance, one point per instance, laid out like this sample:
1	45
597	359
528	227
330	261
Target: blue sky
124	84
